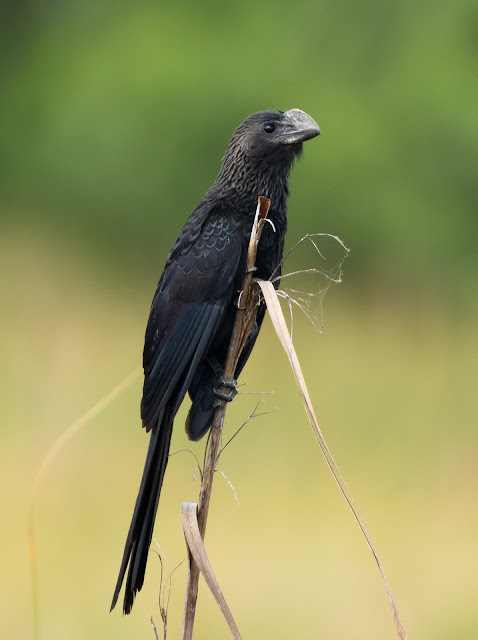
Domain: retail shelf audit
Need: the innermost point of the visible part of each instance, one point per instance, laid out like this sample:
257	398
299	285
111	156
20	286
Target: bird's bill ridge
300	127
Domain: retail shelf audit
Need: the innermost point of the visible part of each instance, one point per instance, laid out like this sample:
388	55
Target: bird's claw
237	304
230	385
227	397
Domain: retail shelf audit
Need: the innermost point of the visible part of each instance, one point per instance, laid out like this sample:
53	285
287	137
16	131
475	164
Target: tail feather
140	532
203	399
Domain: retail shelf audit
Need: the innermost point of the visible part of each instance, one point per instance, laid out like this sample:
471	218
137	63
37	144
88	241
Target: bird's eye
269	127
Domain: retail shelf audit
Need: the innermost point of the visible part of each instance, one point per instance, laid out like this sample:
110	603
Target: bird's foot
227	397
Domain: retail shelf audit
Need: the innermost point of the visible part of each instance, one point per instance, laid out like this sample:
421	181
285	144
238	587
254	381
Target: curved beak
299	127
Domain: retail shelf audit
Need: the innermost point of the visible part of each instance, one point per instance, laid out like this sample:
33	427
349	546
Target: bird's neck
243	180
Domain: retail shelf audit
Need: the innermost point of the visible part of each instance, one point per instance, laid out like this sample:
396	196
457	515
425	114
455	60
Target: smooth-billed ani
193	310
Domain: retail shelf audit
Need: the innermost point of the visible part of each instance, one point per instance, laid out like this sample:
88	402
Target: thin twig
198	466
163	599
254	414
154	628
242	326
231	486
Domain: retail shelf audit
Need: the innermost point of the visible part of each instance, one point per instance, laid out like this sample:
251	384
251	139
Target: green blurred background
113	119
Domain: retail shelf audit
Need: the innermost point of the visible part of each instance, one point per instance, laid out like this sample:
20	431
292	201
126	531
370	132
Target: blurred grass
113	118
394	390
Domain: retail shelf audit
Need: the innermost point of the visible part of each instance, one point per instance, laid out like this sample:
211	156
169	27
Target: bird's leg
219	372
215	366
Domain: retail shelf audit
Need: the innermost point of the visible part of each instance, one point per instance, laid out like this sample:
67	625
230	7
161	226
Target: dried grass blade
198	552
280	326
56	447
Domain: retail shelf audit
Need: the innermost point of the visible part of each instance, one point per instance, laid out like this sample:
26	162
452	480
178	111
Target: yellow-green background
113	118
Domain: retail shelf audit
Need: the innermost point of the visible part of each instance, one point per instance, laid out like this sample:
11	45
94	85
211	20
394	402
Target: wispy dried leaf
318	261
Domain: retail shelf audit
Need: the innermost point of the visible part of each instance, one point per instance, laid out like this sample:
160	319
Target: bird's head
275	133
260	154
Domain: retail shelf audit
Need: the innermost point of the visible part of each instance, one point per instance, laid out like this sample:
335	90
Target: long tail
141	529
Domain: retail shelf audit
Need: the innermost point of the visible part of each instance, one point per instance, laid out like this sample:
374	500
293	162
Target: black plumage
192	313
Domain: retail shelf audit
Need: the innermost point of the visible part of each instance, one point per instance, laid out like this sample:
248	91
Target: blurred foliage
113	119
114	116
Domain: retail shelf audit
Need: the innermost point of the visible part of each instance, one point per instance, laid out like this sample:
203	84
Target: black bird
193	310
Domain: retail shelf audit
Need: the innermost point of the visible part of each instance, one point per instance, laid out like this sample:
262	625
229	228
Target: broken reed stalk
245	315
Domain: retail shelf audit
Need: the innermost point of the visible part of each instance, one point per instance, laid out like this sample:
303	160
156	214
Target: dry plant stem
154	628
242	326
